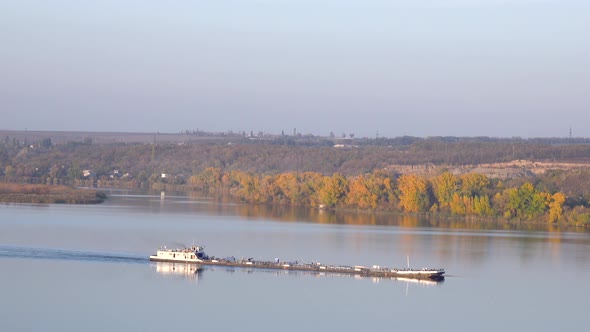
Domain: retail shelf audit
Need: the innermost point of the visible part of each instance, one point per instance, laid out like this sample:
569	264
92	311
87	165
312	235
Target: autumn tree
360	195
311	183
482	206
289	188
231	180
556	207
414	195
444	186
248	187
474	184
381	184
268	190
457	205
209	179
297	188
333	190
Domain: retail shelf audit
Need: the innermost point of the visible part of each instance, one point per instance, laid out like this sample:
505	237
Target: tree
248	187
360	195
311	183
413	193
268	189
481	206
380	183
289	185
210	178
525	202
74	172
474	184
457	205
333	190
9	171
556	207
444	186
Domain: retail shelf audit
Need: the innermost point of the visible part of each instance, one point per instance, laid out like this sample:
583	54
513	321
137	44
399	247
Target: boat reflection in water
185	270
195	272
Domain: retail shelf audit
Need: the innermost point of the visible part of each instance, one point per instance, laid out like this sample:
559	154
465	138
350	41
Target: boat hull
426	274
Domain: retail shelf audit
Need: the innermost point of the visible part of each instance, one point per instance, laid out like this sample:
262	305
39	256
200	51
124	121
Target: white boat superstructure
194	254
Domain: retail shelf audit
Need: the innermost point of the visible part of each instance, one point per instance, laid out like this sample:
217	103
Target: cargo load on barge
197	255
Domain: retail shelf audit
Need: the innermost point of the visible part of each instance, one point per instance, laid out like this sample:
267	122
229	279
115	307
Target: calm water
71	268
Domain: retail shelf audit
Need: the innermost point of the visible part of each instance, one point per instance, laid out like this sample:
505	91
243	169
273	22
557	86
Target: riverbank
48	194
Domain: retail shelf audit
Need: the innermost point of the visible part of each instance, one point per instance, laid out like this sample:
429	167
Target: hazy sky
416	67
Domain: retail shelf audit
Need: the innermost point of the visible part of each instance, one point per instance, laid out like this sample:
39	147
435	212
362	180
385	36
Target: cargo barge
197	255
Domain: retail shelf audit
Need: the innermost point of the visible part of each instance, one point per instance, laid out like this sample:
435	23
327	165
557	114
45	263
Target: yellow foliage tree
231	180
290	188
310	184
268	190
482	206
360	195
474	184
413	193
444	186
468	203
457	205
249	185
556	207
209	178
333	190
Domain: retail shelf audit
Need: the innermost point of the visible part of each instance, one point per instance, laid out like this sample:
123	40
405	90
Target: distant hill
144	156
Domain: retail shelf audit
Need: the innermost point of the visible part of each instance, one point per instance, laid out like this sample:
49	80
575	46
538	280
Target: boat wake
68	255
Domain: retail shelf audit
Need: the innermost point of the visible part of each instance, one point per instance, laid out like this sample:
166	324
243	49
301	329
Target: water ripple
69	255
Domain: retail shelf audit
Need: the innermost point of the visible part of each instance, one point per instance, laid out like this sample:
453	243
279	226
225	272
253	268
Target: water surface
71	268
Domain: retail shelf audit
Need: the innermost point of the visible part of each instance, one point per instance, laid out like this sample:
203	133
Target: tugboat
193	254
196	254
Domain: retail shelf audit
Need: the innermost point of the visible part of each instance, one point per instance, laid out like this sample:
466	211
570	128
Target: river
85	267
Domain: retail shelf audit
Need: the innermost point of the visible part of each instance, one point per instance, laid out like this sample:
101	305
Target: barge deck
196	254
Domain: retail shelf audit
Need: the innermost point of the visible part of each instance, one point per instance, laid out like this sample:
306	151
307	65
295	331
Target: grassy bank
48	194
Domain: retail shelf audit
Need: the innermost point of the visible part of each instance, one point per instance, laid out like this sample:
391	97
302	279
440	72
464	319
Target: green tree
444	186
525	202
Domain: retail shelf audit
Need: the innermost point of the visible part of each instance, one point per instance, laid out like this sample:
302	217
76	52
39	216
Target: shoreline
48	194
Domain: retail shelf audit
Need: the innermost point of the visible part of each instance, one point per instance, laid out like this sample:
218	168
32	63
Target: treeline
466	195
314	175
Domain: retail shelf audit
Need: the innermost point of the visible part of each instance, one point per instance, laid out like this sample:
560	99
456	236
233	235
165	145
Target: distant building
87	173
348	146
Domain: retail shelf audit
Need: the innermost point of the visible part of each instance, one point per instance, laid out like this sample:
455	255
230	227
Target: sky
500	68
